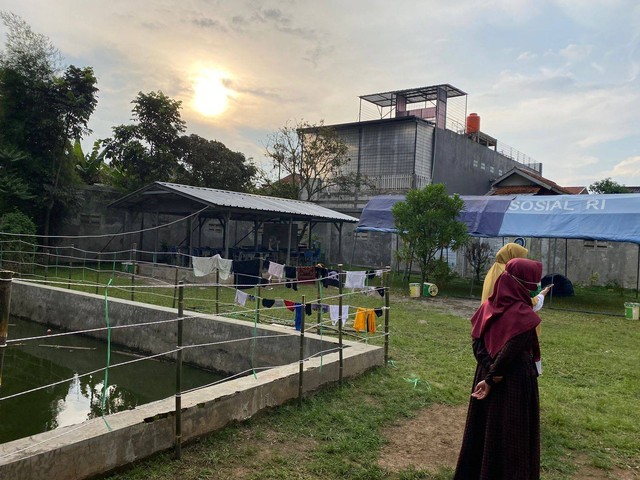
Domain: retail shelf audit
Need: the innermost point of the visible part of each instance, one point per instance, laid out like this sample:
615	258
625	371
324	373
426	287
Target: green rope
413	380
106	371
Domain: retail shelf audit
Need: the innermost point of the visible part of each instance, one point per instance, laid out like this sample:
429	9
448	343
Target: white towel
203	265
355	279
276	270
224	267
241	297
334	311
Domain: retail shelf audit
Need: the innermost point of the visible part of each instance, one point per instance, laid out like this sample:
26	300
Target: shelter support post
225	235
289	241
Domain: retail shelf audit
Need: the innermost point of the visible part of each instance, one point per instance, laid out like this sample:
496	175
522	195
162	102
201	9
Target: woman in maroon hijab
502	434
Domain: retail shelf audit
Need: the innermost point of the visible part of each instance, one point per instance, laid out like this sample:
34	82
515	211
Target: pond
35	363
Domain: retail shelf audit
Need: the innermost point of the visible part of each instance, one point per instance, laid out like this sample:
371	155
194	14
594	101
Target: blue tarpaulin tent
614	217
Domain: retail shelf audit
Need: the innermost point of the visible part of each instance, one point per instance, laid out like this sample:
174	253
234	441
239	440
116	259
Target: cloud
574	53
206	22
627	169
526	56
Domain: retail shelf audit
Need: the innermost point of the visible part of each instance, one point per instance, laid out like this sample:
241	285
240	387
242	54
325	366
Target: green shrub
16	249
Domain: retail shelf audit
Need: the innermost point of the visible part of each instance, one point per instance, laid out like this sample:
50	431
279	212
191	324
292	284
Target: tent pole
553	266
566	258
353	250
638	272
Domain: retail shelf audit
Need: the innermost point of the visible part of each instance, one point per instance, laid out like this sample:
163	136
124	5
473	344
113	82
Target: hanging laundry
380	291
365	320
334	313
247	273
355	280
298	317
379	272
291	272
328	278
307	308
370	291
241	298
306	274
224	267
278	303
268	303
371	274
203	265
289	304
378	312
276	270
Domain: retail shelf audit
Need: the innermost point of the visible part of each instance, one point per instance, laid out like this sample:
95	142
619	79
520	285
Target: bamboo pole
178	439
301	361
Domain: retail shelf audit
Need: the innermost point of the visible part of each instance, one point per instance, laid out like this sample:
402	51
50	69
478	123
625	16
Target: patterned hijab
508	313
506	253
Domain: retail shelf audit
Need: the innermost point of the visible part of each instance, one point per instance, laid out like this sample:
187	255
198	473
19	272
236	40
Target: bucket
429	289
632	310
128	267
414	290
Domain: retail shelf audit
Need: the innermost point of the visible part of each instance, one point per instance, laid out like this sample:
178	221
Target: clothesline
249	272
364	319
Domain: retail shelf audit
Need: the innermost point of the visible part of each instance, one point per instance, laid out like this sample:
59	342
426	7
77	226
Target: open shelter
203	204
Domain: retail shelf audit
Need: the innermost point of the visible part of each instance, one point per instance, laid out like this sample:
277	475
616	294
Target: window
596	244
491	169
482	166
475	163
499	172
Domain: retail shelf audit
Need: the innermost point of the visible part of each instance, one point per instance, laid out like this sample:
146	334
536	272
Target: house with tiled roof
523	181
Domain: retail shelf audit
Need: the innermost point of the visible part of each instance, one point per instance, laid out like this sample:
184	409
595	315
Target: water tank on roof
473	123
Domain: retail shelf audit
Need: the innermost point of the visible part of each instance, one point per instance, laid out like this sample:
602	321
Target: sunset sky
555	79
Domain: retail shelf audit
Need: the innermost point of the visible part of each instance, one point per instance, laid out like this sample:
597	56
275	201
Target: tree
426	222
478	254
209	163
149	149
91	166
41	110
607	186
311	157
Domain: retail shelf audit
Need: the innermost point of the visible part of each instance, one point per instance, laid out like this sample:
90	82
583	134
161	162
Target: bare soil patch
428	441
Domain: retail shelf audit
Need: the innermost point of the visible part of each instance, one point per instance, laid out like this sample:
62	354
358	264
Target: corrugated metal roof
225	199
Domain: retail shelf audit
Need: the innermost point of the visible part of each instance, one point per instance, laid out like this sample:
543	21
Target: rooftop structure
445	106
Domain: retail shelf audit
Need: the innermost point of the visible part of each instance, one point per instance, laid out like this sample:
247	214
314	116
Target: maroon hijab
508	311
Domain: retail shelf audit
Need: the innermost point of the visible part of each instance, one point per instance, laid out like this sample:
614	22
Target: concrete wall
51	306
89	449
465	166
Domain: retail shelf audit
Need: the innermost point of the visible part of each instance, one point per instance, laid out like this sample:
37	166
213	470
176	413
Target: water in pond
31	364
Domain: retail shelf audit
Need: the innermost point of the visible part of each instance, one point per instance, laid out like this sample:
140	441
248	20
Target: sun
211	97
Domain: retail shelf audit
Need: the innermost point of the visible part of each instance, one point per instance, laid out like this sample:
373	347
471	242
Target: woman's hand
481	391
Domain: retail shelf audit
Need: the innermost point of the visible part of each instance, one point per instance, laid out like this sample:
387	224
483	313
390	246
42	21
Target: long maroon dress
502	434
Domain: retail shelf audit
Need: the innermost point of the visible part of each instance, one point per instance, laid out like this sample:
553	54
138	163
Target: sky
554	79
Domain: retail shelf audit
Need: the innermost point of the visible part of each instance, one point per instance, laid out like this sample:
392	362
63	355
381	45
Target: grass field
590	396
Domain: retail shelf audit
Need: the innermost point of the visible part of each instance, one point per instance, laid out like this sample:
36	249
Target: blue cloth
298	319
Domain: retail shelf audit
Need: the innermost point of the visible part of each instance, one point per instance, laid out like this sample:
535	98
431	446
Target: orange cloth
365	320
